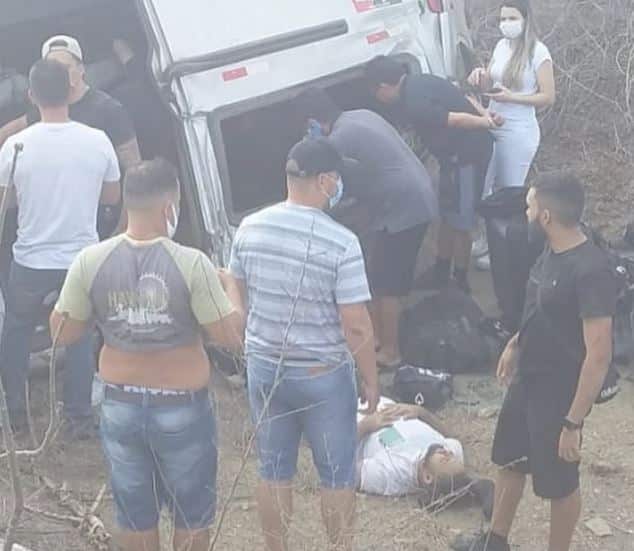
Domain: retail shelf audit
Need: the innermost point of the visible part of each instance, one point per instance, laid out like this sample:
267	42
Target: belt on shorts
155	399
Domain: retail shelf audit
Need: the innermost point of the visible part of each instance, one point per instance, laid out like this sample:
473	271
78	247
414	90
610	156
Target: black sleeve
428	113
597	289
117	124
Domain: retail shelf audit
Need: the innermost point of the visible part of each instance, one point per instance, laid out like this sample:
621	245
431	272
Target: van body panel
388	30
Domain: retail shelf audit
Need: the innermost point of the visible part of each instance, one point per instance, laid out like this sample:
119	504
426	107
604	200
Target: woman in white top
519	80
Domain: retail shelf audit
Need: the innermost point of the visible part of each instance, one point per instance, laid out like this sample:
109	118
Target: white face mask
172	225
512	29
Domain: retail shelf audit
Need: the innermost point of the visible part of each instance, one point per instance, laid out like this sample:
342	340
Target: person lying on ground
403	450
155	302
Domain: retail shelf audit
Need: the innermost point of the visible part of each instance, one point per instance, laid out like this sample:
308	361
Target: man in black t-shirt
88	106
455	129
556	366
91	107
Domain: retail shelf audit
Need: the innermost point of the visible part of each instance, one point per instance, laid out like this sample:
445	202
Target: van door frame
200	238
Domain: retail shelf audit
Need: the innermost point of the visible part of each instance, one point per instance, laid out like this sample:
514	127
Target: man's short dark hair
147	182
562	193
384	70
50	83
317	104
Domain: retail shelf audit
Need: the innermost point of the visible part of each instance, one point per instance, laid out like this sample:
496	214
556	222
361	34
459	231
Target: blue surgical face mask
314	129
336	198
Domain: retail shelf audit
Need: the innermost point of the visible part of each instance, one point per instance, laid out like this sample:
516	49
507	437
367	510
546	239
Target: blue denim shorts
161	456
317	403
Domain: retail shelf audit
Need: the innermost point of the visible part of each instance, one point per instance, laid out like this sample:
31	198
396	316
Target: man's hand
403	411
369	394
226	279
570	445
379	420
497	119
508	362
478	77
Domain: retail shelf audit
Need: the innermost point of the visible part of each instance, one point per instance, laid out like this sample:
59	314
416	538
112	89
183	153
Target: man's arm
74	307
597	335
359	333
215	303
72	330
467	121
12	128
129	154
110	193
229	332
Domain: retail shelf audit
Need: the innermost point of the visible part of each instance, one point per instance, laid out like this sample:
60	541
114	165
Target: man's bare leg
446	240
139	541
195	540
338	510
373	308
389	312
509	487
564	515
462	246
275	505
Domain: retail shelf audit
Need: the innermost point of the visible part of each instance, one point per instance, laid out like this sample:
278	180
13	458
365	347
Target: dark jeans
26	292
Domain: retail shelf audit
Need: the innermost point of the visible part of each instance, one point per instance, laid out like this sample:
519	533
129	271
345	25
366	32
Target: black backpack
443	332
423	387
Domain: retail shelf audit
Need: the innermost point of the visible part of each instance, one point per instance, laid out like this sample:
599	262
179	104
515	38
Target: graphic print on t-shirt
142	308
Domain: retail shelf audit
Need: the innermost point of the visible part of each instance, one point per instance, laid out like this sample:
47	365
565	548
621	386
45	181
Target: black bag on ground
420	386
443	332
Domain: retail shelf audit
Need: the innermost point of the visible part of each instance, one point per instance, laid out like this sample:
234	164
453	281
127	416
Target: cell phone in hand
494	91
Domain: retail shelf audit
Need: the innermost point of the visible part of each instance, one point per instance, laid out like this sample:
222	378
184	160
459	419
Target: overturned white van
226	71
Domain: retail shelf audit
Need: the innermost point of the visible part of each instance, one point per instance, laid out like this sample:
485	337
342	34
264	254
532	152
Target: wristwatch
569	425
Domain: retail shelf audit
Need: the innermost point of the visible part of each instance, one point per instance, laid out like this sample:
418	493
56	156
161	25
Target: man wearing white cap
88	106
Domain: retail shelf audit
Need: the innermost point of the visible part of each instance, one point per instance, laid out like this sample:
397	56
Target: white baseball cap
62	43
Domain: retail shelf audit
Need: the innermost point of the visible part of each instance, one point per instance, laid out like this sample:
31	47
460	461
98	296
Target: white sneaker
484	263
480	244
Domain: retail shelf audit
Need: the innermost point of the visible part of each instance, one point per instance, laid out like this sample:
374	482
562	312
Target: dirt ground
383	524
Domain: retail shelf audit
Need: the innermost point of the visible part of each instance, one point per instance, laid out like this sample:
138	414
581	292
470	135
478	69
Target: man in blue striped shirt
305	287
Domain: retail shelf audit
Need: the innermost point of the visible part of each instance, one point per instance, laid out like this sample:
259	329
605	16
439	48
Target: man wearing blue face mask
303	282
398	199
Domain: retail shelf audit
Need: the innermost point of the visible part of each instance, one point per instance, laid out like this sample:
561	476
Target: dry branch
90	525
16	482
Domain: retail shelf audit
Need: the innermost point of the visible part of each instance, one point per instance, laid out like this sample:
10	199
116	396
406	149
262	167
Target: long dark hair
523	47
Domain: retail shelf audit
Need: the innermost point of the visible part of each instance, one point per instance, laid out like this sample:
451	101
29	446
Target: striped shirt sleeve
235	263
352	282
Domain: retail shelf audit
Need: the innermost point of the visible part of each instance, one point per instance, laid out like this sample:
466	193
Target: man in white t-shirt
403	451
64	171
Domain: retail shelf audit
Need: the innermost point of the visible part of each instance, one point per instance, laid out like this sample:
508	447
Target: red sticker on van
367	5
235	74
377	37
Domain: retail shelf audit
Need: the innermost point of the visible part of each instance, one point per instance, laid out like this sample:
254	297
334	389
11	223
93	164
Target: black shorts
528	431
392	262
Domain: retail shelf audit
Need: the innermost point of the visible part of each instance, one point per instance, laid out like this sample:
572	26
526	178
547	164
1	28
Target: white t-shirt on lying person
58	183
388	459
